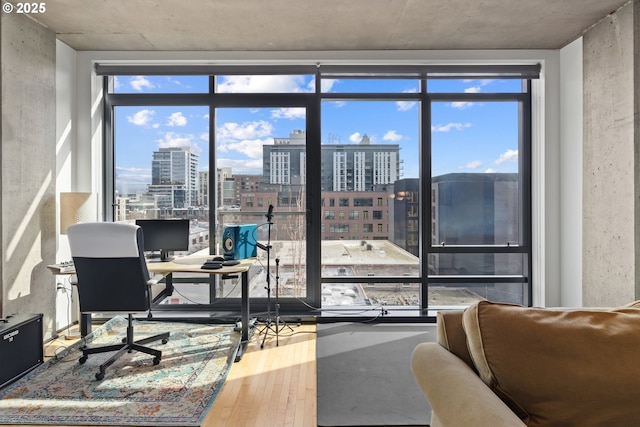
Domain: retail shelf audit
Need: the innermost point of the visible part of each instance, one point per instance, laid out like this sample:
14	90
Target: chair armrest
457	395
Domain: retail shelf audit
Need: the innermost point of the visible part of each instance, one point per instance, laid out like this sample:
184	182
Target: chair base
128	345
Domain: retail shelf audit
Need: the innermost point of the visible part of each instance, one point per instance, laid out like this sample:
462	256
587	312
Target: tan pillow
559	367
451	335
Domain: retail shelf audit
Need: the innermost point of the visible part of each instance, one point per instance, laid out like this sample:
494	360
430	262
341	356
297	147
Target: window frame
313	102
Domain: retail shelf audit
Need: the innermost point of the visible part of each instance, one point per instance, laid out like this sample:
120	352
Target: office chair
112	277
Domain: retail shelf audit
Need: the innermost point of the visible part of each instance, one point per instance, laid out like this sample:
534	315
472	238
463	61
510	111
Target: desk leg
85	324
168	280
244	316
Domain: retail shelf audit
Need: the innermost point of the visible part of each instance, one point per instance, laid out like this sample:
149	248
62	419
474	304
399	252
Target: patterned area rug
177	392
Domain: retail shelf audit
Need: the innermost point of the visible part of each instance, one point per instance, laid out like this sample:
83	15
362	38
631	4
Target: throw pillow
451	335
558	368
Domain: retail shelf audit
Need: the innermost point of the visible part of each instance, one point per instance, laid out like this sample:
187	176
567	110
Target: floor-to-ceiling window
393	188
479	242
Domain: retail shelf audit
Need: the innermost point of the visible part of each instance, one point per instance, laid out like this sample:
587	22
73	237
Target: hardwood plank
267	387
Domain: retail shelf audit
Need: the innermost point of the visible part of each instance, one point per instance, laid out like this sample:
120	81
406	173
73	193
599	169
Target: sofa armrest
457	395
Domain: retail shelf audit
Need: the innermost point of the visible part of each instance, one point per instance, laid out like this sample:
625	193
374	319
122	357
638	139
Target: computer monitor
165	235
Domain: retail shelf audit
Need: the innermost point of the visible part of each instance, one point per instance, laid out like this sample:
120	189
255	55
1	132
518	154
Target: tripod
269	324
278	320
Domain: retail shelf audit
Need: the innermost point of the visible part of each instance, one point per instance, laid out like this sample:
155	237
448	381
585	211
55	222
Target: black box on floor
20	346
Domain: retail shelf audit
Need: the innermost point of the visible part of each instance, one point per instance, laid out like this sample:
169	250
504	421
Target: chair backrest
110	265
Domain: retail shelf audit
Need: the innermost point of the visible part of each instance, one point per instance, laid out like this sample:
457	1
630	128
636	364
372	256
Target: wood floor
274	386
271	387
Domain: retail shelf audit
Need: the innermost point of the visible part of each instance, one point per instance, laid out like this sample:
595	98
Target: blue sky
477	137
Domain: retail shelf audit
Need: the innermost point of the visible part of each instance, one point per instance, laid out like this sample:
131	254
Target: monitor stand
164	257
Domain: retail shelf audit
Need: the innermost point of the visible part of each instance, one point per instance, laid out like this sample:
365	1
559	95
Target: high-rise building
203	188
359	167
345	167
476	209
284	162
174	178
224	184
404	221
472	209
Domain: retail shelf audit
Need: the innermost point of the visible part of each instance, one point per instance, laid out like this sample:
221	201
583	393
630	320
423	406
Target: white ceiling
320	25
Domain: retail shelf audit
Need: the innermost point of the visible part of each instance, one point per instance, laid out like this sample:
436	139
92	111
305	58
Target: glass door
260	184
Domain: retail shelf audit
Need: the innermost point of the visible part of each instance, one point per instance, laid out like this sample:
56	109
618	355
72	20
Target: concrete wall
66	130
28	238
611	166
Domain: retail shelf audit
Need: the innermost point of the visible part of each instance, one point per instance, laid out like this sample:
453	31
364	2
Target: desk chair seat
112	277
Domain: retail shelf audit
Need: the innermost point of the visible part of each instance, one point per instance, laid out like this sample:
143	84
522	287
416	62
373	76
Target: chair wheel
123	340
166	340
82	359
156	361
99	376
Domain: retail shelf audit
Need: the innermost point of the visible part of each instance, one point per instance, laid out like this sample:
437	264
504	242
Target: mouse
218	258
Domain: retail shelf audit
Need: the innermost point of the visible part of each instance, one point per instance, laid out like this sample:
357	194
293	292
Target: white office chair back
110	266
103	240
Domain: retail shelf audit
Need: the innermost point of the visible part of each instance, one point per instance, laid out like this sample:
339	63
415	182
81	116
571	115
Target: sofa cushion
559	367
451	335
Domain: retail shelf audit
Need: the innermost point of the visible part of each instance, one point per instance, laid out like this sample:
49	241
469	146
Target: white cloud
355	137
289	113
406	105
325	85
246	138
241	166
507	156
392	135
141	118
232	132
461	105
139	83
172	139
251	148
472	89
475	164
133	174
490	170
262	84
449	126
482	82
177	119
177	82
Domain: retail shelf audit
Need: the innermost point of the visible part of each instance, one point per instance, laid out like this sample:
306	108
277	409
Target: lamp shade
75	207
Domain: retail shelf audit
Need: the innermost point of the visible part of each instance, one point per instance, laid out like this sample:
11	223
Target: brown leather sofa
506	365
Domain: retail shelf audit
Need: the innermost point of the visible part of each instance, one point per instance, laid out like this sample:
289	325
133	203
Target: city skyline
466	136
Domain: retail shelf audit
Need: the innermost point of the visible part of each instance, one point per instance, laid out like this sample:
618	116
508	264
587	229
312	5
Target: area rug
177	392
364	374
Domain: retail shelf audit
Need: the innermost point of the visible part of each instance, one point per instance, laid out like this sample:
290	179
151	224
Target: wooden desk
193	264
